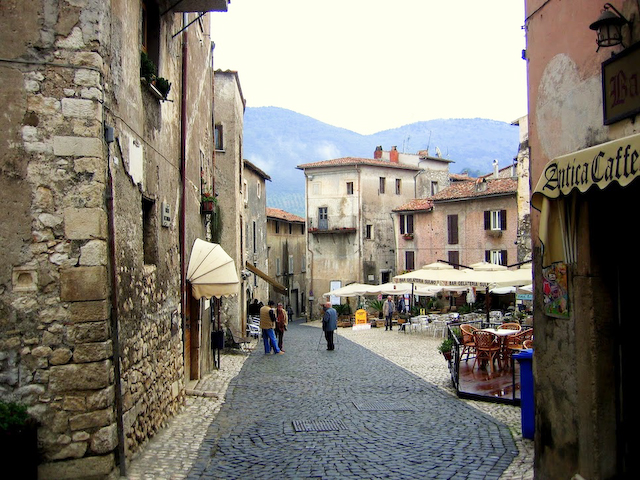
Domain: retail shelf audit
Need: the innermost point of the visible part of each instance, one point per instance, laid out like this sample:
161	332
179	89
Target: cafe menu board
555	290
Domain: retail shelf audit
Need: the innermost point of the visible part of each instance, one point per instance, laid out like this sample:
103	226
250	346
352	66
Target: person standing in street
329	324
282	320
267	323
387	309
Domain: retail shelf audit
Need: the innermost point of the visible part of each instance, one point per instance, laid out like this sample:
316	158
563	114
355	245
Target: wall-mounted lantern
609	27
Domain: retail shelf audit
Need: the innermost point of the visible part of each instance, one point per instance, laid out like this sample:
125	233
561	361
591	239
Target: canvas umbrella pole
487	303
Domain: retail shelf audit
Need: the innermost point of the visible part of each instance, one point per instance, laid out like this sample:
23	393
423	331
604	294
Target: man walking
387	309
267	324
329	324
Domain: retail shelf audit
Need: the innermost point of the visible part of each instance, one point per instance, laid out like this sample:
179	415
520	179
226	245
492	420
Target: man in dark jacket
329	324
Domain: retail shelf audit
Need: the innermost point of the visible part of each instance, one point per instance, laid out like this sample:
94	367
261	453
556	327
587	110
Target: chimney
377	155
394	155
495	169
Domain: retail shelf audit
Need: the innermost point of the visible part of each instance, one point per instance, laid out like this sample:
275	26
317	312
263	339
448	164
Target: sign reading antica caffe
616	161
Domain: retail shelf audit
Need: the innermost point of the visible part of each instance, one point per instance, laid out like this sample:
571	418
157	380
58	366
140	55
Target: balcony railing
346	224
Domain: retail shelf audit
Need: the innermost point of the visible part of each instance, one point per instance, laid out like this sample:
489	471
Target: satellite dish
438	152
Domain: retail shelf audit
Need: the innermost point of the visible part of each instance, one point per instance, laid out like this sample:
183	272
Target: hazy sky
371	65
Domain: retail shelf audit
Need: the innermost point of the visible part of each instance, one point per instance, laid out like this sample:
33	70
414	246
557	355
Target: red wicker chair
468	343
487	347
509	326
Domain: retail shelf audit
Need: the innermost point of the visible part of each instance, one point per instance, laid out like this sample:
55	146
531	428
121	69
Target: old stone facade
101	178
583	359
521	162
229	105
255	216
287	244
351	234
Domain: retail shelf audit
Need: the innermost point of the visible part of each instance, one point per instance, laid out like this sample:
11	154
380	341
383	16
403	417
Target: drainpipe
395	241
361	236
115	335
183	189
309	248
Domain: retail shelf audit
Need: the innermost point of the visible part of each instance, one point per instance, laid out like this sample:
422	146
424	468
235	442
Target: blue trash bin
525	358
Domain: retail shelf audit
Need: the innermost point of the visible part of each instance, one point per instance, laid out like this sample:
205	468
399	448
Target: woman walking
281	324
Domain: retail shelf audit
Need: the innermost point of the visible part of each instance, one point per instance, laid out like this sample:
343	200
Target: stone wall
73	73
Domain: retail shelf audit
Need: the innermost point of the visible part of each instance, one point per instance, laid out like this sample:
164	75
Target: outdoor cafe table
502	335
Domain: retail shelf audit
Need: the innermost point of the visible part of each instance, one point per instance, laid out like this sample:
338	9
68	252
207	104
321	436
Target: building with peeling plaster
350	229
287	244
584	143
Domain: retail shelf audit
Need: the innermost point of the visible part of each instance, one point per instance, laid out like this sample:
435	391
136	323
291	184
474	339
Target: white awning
211	271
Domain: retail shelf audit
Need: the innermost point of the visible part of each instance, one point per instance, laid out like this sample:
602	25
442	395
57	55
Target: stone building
101	181
468	222
349	203
287	244
256	232
521	163
229	106
584	142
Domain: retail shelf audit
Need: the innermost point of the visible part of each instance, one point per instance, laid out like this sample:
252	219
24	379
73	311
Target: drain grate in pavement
318	425
383	406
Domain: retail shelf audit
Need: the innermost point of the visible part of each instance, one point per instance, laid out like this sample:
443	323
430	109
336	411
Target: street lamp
609	27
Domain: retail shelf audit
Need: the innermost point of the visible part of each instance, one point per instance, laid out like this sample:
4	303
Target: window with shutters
349	188
498	257
255	237
452	229
149	232
383	181
369	232
218	136
454	258
150	30
406	224
495	220
409	260
323	218
398	186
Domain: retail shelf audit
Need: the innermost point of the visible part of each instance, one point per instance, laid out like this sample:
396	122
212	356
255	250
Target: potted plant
159	86
148	69
163	85
445	348
408	236
378	306
18	440
208	201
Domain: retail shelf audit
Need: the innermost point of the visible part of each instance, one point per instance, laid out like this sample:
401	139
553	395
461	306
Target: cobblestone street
380	406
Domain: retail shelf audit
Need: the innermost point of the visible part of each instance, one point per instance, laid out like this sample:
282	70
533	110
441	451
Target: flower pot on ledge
408	236
207	206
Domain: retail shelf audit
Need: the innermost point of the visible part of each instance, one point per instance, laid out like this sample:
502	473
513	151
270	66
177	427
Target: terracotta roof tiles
282	215
417	204
462	190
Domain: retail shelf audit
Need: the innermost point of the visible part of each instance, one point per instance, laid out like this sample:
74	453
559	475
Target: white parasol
211	271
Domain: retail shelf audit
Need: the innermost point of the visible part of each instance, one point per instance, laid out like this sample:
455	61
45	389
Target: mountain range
277	140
